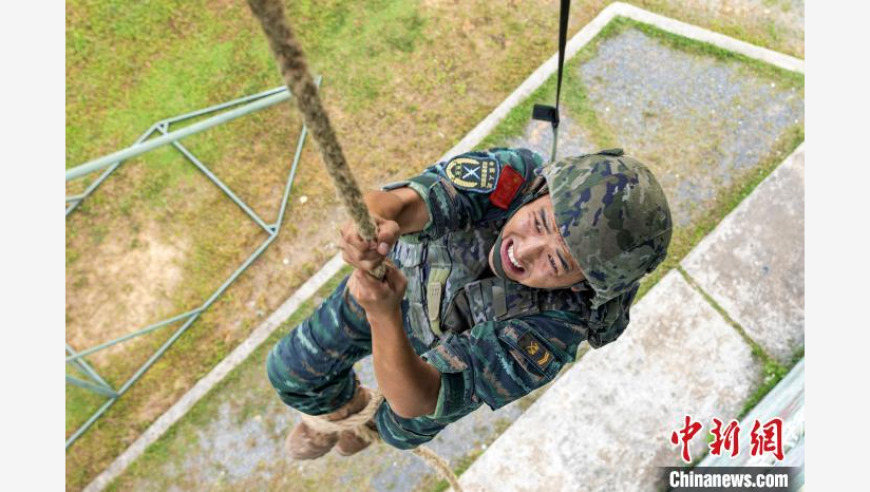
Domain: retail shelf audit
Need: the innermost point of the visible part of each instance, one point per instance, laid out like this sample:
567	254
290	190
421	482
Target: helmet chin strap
497	266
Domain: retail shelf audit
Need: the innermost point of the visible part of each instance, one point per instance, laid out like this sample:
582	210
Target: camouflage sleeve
498	362
473	188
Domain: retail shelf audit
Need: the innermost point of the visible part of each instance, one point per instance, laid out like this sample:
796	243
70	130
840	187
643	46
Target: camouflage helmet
613	216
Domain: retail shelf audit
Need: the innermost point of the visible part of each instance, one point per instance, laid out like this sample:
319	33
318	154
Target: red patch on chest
506	189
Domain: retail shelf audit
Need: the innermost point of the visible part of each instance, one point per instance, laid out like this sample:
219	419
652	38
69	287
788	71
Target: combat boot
306	443
350	443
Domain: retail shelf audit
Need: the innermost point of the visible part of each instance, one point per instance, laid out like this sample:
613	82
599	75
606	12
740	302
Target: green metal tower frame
226	112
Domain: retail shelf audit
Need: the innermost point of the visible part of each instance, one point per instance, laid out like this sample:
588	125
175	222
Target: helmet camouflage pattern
613	216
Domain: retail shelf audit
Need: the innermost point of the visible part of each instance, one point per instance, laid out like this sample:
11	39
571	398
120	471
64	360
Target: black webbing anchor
542	112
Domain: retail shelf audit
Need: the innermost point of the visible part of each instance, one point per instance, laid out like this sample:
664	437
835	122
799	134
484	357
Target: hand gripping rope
291	61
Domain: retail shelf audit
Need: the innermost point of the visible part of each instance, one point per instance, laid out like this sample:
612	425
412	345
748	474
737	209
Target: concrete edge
224	367
472	139
776	402
703	35
740	208
533	81
795	371
588	33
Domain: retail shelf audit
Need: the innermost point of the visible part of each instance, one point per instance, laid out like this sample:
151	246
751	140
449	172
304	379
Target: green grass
753	66
185	432
752	26
171	446
576	102
129	65
229	59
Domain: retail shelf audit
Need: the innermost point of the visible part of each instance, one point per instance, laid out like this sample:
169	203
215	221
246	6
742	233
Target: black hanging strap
543	112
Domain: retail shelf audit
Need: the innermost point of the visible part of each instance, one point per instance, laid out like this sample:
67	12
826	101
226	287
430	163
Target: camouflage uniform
492	340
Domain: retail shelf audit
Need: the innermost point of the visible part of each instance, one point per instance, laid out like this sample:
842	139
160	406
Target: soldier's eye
553	264
537	225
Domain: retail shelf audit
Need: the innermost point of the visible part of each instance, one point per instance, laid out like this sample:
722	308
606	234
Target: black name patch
535	350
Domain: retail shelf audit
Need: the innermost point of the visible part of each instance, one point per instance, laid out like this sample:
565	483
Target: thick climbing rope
356	423
291	61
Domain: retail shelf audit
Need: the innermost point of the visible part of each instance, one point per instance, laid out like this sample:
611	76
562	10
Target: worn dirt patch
123	284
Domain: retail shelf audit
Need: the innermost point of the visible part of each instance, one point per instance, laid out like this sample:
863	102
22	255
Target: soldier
498	268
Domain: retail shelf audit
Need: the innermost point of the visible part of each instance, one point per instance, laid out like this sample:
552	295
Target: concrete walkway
606	424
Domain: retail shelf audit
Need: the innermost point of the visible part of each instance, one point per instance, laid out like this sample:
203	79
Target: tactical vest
445	293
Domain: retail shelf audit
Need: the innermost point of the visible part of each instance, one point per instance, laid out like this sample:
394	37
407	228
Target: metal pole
220	184
218	107
86	368
266	99
93	186
298	155
193	129
87	425
128	336
75	198
92	387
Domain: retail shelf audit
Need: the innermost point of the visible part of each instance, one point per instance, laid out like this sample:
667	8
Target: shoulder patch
506	189
535	350
472	173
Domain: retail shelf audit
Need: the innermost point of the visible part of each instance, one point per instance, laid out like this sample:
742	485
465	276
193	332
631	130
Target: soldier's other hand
368	255
379	298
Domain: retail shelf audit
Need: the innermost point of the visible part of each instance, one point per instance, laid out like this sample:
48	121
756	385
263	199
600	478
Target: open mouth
509	259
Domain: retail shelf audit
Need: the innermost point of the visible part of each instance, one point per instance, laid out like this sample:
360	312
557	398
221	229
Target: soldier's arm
409	384
402	205
395	212
446	201
497	362
432	205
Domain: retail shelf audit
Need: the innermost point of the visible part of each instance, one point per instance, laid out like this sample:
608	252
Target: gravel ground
698	122
249	453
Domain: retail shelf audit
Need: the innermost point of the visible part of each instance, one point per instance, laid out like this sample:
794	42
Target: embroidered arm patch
471	172
535	350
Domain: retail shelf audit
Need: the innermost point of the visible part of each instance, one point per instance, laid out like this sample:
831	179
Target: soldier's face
533	252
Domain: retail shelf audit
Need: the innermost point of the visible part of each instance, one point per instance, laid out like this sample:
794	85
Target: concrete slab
618	405
752	264
585	35
699	131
